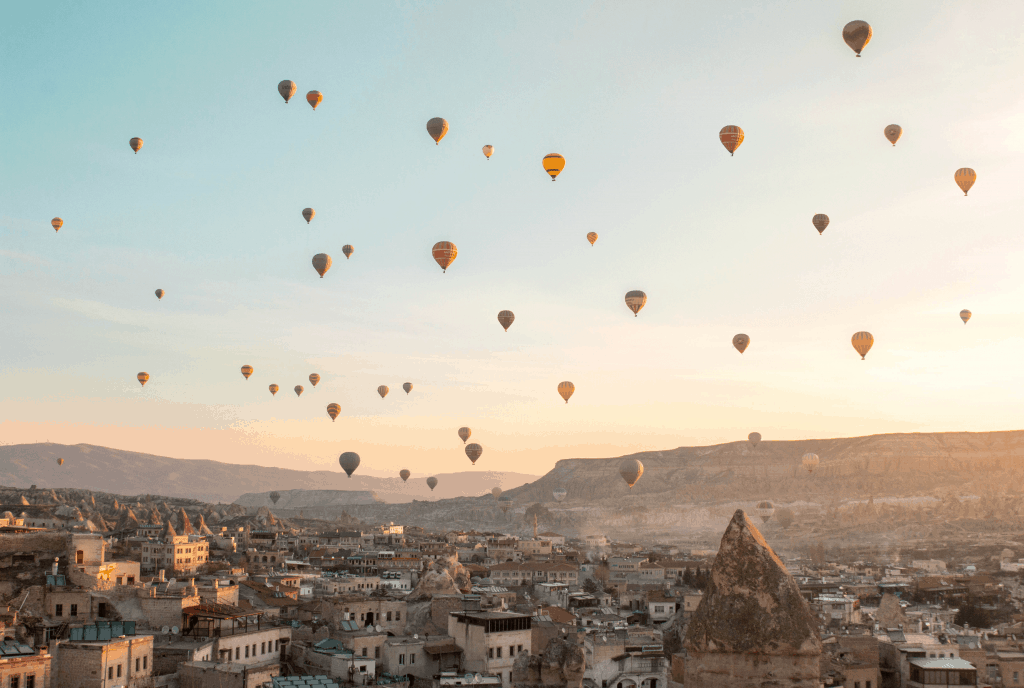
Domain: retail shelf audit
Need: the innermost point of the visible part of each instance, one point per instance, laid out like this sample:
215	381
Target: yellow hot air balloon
314	379
635	300
731	137
246	371
143	378
810	462
383	391
565	390
298	390
592	237
60	462
754	438
407	386
437	128
159	294
820	222
893	132
464	433
273	389
308	214
473	451
857	34
965	178
862	342
287	89
488	151
314	98
631	470
56	223
333	410
741	342
444	253
321	263
554	164
506	318
965	315
404	474
348	251
136	144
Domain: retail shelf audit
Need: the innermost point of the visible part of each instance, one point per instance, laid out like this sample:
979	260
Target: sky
633	95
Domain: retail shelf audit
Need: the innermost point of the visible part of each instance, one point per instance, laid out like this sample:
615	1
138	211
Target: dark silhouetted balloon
473	451
349	462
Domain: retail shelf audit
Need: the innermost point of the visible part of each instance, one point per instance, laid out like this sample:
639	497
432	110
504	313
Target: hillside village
108	590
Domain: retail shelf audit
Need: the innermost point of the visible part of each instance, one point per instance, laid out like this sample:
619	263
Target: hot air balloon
246	371
314	98
473	451
431	483
56	223
488	151
559	493
383	391
349	462
444	253
314	379
404	474
631	470
437	128
765	510
862	342
348	251
565	390
159	294
407	386
741	342
308	214
143	378
136	144
592	237
965	178
298	390
554	164
506	318
273	389
496	491
60	462
321	263
464	433
275	496
810	462
820	222
965	315
635	300
857	34
287	89
333	410
754	438
731	137
893	132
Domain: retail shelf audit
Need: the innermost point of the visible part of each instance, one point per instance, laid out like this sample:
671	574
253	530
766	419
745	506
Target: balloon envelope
143	378
810	462
857	34
862	342
765	510
754	438
60	462
893	132
136	144
275	496
273	389
308	214
314	379
321	263
159	294
554	164
488	151
473	451
246	371
383	391
565	390
349	462
820	222
333	410
444	253
314	98
298	390
965	178
635	300
559	493
631	470
407	387
437	128
56	223
496	491
287	89
592	237
506	318
741	342
464	433
404	474
348	251
965	315
731	137
431	483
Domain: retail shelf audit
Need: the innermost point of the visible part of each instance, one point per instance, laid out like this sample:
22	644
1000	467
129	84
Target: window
867	684
277	644
136	665
14	682
364	652
499	652
1015	676
519	649
119	671
74	610
412	658
490	653
79	559
247	651
362	668
401	659
110	674
398	616
376	652
389	616
30	681
263	648
254	649
58	610
238	653
145	661
856	684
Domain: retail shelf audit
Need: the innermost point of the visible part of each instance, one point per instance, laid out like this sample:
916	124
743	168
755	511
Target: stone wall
34	542
746	670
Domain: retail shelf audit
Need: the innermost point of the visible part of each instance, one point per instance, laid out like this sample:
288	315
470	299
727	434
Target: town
103	590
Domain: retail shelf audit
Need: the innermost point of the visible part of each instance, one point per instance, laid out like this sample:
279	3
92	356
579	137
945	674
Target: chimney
160	576
55	561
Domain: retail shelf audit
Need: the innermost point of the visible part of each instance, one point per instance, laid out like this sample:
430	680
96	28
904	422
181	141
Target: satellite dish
415	636
174	630
172	581
378	628
165	629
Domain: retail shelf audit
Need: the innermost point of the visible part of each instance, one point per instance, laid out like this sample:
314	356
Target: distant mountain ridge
125	472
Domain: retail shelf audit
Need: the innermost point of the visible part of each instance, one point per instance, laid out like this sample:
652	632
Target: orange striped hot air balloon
437	127
857	34
333	410
136	144
159	294
143	378
348	251
287	89
862	342
444	253
635	300
383	391
506	318
820	222
893	132
965	315
314	379
321	263
246	371
554	164
565	390
965	178
731	137
56	223
741	342
592	237
314	98
299	390
273	389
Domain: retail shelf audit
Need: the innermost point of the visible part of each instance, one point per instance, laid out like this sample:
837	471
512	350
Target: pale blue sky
633	94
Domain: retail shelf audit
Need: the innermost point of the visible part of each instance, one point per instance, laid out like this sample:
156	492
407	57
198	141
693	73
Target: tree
688	576
972	615
592	586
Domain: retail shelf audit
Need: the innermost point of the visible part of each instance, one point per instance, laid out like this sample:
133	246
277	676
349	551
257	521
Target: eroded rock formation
560	666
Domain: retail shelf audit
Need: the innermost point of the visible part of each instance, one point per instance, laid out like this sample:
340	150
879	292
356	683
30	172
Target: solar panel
104	633
90	633
76	634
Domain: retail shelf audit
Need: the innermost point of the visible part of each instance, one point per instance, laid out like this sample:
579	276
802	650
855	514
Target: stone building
126	661
752	627
176	554
491	641
21	665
